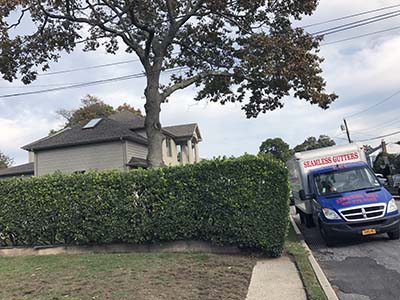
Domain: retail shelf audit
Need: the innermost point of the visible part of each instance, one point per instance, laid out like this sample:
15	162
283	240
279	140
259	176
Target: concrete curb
177	246
323	281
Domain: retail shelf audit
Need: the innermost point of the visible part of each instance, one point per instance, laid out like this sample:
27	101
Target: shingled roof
106	131
119	126
128	119
136	162
182	131
21	170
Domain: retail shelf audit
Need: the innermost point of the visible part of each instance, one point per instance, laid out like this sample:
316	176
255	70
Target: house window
169	148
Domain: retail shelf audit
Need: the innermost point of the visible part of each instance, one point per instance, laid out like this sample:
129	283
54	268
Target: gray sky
362	72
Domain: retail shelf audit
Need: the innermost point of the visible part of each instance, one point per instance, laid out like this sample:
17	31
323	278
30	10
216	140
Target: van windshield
345	180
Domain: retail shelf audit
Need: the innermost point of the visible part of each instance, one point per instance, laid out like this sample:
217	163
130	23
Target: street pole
347	131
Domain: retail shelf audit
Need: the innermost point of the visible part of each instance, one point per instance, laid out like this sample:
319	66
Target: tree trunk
152	121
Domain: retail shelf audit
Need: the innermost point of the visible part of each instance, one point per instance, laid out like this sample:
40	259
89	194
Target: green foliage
5	161
394	161
92	107
241	201
277	148
298	252
127	107
232	50
312	143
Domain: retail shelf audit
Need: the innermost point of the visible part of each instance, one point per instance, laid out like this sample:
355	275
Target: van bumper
352	229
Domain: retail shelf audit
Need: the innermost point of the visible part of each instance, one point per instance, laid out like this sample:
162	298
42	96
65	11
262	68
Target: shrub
237	201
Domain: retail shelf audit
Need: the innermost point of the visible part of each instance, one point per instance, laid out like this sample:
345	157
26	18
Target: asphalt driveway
365	269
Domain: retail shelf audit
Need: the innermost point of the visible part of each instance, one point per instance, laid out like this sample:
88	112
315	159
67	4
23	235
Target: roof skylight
92	123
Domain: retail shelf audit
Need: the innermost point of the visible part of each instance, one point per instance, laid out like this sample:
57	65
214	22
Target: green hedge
237	201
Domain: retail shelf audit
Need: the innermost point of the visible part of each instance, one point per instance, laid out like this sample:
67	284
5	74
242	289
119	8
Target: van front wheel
309	220
328	241
394	235
302	218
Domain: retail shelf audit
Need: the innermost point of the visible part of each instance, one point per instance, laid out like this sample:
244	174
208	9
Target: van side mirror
302	195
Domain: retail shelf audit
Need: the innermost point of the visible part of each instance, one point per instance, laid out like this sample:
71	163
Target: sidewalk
276	279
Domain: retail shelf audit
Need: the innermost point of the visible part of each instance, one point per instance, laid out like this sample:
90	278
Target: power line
342	27
85	84
375	105
351	16
89	67
92	67
38	85
380	137
78	85
340	138
381	126
329	31
359	36
358	23
355	132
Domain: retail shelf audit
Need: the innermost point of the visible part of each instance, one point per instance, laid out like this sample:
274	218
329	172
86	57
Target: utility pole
347	131
385	157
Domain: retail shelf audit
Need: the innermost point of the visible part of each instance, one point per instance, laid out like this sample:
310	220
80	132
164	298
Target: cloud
362	72
21	130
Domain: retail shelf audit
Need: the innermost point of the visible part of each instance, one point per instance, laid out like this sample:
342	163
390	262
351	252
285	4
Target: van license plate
368	231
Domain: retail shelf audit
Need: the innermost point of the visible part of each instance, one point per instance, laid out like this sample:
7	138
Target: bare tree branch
170	12
174	27
135	46
205	59
120	13
19	19
134	20
191	80
233	21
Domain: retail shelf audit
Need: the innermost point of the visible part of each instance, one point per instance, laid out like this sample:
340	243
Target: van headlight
330	214
391	206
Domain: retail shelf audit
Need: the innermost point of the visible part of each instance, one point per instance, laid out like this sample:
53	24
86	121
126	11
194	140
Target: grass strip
296	250
161	276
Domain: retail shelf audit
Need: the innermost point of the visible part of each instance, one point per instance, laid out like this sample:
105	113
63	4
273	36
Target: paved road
365	269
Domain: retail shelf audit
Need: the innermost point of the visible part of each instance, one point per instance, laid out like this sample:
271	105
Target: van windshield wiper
334	196
373	190
337	195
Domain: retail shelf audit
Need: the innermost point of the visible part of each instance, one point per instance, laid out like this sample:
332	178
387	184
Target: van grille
364	212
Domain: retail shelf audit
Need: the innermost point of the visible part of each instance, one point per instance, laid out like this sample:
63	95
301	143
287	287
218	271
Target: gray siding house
115	143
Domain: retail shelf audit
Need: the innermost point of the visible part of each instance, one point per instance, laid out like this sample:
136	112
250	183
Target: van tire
328	241
394	235
309	221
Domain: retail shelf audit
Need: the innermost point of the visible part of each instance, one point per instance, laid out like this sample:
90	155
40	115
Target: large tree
277	148
233	51
312	143
5	161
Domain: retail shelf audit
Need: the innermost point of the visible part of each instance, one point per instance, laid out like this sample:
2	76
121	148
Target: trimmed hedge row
237	201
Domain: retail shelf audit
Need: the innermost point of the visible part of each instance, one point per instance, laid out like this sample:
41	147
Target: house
115	143
18	171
